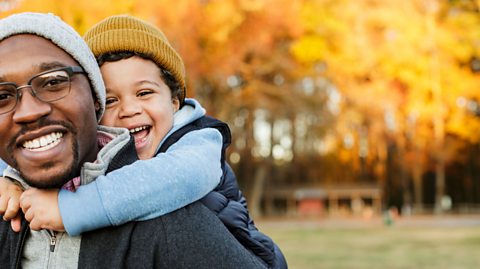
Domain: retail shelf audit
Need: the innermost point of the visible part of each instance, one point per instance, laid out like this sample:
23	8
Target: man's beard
58	180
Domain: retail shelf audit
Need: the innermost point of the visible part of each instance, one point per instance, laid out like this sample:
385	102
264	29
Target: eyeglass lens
47	87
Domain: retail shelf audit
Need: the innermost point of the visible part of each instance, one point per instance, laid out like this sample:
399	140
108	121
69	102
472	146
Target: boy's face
139	100
45	141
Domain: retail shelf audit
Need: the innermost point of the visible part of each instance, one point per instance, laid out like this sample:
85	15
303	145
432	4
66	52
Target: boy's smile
140	134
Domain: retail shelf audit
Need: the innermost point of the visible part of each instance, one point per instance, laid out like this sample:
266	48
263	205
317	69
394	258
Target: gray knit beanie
64	36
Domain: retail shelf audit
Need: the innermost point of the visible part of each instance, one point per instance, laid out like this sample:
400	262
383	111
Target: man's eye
55	82
6	96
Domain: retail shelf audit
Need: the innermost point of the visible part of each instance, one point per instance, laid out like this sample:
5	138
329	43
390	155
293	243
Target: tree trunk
258	187
417	185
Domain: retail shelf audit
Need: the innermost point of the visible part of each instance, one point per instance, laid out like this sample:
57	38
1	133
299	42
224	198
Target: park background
356	124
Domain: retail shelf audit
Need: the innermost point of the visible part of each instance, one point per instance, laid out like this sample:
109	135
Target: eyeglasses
48	86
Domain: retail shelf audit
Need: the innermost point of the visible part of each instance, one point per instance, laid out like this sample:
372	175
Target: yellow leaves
221	19
252	5
309	49
79	14
464	34
311	15
366	46
345	156
463	125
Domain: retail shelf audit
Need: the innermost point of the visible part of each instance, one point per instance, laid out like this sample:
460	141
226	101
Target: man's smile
44	142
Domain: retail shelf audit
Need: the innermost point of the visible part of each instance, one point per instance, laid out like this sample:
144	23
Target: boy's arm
9	207
149	188
10	202
3	166
9	198
40	207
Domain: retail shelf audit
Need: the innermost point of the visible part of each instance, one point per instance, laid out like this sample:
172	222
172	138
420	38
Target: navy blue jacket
228	202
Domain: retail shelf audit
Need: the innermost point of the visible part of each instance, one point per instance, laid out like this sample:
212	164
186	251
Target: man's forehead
23	51
20	39
34	44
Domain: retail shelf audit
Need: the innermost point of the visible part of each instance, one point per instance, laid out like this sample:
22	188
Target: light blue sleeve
149	188
3	165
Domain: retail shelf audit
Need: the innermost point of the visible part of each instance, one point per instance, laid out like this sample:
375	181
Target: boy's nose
130	108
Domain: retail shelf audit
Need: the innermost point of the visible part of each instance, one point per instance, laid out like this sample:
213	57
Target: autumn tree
324	92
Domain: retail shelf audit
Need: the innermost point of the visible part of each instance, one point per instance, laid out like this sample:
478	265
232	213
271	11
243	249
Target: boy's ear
97	106
175	104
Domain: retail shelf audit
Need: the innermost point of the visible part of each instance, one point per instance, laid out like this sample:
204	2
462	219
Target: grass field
428	243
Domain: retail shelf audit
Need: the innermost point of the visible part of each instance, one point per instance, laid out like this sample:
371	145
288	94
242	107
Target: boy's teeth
44	142
138	129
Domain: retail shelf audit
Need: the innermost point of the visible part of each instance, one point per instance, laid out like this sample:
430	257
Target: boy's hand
10	202
41	209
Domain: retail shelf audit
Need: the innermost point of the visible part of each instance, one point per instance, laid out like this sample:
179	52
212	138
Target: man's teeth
138	129
44	142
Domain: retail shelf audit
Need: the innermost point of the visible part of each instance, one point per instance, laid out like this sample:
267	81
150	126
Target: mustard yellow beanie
127	33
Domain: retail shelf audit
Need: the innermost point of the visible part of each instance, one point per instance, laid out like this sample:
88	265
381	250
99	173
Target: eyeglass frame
71	70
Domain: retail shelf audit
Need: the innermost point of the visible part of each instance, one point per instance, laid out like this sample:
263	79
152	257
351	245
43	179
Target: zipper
23	235
53	240
53	243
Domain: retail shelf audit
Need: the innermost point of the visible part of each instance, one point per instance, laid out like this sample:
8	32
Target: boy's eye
144	93
110	101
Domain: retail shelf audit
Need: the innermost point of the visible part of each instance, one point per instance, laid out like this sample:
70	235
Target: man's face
46	142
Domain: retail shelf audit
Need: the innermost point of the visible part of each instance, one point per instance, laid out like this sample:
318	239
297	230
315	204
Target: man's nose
29	108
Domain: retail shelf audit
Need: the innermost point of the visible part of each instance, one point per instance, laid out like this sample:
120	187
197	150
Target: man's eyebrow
50	66
43	67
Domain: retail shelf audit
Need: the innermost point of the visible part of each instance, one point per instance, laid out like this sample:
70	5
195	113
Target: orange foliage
396	68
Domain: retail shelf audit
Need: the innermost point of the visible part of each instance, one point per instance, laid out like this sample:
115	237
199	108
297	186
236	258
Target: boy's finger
12	208
3	204
29	215
35	225
25	202
16	223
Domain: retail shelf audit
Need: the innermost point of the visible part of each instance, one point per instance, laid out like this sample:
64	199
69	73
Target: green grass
316	246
